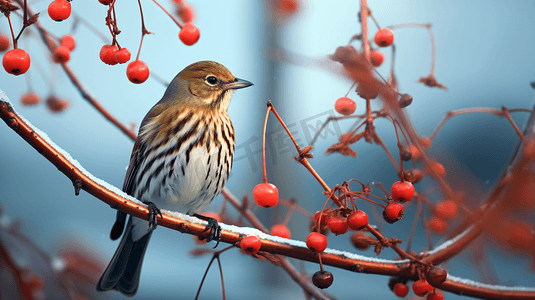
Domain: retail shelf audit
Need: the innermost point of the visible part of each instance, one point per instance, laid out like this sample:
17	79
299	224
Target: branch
111	195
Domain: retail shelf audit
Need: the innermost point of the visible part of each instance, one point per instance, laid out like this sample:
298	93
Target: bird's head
203	87
204	84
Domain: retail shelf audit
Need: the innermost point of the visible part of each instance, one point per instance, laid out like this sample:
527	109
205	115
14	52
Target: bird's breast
186	170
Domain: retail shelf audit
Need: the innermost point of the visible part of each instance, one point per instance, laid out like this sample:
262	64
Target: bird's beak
238	84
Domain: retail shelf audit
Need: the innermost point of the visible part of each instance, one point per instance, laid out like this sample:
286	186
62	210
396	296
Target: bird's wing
133	167
136	157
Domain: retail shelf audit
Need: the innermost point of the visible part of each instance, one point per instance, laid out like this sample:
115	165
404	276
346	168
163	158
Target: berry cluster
384	37
112	55
62	53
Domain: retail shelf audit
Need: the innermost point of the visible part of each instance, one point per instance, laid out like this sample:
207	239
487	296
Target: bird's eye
212	80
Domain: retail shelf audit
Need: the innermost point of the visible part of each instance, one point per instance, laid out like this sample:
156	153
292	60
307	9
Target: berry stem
264	142
214	256
111	20
400	147
431	36
12	34
24	23
433	51
373	19
144	30
115	28
515	127
351	88
414	224
288	214
304	160
369	200
426	229
170	15
454	113
321	263
364	23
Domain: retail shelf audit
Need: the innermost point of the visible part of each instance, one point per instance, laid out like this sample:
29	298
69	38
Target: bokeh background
485	55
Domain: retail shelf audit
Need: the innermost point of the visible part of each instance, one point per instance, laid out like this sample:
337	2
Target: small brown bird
181	160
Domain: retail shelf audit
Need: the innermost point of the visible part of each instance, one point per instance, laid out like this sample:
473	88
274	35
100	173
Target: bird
180	161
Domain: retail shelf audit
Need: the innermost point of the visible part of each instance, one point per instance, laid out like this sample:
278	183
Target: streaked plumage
181	160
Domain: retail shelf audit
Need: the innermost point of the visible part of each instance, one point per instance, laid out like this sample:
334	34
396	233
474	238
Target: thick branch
231	234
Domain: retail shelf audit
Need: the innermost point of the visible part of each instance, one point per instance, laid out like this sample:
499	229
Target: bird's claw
154	211
213	226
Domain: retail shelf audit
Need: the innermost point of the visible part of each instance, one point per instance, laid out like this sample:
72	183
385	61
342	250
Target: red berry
417	175
345	106
189	34
4	42
426	142
516	234
421	287
56	105
266	195
357	220
394	211
406	154
16	61
61	55
435	296
250	244
287	7
377	58
105	2
415	152
324	218
29	99
68	41
59	10
437	225
401	290
402	191
436	276
316	242
137	71
107	53
186	13
358	241
322	279
122	56
384	37
281	230
438	168
446	209
337	225
405	100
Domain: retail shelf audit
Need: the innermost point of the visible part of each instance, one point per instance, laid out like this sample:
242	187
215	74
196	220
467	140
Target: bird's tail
122	274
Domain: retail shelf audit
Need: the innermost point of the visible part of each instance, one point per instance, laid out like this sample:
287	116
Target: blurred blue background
485	56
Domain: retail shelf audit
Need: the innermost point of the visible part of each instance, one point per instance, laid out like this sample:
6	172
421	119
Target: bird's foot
213	226
154	211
